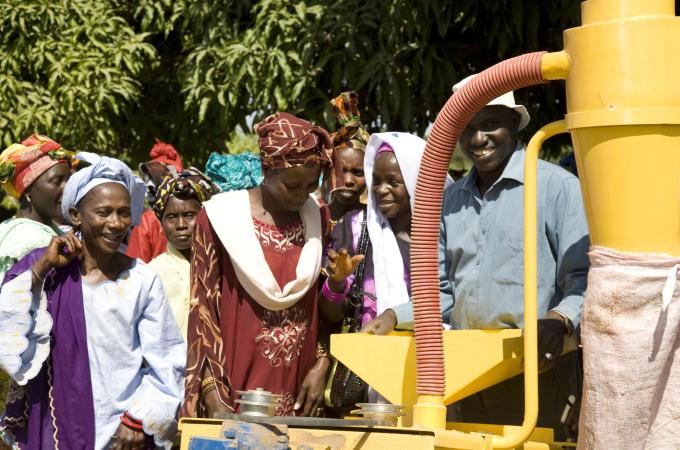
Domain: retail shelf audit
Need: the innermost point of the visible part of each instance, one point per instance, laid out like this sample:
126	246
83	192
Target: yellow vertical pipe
430	412
522	434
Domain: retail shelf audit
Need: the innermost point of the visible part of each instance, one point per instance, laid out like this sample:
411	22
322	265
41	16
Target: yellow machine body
488	356
458	435
623	103
623	113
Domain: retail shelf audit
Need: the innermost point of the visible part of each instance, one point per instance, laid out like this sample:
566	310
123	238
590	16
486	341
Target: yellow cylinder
603	10
623	104
631	185
430	412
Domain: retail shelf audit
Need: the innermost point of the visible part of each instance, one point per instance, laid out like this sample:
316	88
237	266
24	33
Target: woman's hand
60	252
310	397
213	405
128	439
340	266
382	324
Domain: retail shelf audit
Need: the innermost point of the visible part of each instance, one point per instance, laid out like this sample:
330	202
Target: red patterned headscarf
287	141
22	164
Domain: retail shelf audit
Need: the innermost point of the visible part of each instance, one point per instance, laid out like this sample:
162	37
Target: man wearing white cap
481	262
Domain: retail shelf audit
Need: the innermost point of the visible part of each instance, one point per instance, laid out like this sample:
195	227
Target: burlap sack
631	333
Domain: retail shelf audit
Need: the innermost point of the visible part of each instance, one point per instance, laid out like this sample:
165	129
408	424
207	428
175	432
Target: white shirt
136	353
175	270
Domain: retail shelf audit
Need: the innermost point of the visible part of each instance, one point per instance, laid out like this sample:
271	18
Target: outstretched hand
551	333
341	264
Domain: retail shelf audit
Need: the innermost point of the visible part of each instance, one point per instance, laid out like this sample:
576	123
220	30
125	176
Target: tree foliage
111	75
71	69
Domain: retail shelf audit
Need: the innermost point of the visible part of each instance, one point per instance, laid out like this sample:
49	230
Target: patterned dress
245	345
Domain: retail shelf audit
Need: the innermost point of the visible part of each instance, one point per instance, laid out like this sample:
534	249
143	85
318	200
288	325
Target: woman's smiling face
104	217
389	188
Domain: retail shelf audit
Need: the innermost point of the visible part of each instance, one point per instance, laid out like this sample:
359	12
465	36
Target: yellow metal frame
468	436
530	289
489	357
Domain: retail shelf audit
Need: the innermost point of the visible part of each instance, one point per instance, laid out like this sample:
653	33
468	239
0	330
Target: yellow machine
623	113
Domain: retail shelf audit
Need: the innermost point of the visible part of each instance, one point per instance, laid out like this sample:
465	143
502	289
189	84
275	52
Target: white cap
507	100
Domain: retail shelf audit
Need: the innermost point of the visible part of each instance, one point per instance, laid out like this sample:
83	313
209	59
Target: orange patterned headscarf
350	133
22	164
287	141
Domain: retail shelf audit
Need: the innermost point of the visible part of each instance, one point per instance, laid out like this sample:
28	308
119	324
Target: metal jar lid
258	402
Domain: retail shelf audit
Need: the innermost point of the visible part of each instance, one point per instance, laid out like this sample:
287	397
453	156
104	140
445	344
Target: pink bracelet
333	296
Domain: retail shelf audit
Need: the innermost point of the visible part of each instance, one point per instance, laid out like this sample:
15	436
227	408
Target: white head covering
507	100
102	170
388	266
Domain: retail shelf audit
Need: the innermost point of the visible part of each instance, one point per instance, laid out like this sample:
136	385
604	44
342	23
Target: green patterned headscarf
190	183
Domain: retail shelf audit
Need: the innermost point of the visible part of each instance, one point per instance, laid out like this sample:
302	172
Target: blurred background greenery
109	76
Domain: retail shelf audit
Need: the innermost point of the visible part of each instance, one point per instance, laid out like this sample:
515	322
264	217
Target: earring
28	198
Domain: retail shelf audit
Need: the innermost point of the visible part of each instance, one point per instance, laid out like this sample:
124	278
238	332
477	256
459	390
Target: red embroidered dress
246	345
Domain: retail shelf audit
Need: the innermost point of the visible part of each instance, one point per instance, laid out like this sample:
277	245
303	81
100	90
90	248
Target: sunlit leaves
402	56
110	75
69	69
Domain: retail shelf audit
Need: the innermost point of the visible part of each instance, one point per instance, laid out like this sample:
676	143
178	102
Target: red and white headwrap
287	141
22	164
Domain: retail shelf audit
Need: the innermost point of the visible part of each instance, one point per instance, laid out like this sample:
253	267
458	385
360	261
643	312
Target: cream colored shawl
231	218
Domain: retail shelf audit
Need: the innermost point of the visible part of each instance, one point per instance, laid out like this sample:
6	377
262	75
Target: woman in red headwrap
253	321
147	240
34	173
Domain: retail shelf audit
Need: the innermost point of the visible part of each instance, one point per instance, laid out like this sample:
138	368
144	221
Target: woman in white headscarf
391	165
92	342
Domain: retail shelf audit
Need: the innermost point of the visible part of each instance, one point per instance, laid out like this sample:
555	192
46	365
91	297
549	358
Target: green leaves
111	75
69	69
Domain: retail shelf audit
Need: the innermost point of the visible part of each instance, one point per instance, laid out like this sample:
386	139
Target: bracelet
208	385
565	321
207	389
36	275
130	422
322	351
207	381
333	296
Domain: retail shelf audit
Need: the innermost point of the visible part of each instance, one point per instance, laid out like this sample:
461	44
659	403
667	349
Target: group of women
105	351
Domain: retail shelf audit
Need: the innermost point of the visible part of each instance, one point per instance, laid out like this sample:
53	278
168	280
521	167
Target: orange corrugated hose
506	76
